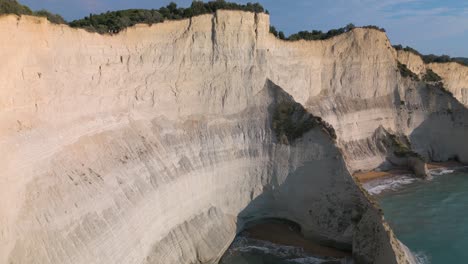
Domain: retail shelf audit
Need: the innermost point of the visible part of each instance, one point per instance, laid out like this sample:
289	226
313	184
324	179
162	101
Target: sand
371	175
284	234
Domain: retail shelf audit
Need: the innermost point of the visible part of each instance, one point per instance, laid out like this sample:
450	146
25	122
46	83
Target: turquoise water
431	218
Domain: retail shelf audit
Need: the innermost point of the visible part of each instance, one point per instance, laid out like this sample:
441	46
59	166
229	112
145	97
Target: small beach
278	242
377	182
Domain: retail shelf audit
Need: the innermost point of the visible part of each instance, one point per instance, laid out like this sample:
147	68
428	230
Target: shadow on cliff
309	184
443	135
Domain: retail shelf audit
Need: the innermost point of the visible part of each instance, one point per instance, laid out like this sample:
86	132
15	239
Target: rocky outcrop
454	75
157	145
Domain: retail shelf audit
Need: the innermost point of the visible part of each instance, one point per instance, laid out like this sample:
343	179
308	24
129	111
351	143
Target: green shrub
113	22
431	58
319	35
461	60
431	76
291	121
53	18
13	7
375	27
278	34
407	48
401	146
405	72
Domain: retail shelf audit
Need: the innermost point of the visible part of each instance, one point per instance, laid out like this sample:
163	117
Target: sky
430	26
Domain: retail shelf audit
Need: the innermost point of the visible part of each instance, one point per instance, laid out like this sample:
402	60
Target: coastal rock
419	167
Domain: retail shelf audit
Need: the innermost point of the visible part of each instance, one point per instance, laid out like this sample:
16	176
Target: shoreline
284	234
363	177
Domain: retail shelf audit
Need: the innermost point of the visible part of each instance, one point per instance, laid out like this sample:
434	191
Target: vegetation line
431	58
114	22
318	34
13	7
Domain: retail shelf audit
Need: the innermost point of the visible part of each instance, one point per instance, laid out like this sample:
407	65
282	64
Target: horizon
425	25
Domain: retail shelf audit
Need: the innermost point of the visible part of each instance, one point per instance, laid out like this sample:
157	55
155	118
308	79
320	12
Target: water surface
431	217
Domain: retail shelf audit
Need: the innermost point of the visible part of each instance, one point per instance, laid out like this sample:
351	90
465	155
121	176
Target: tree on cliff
431	58
13	7
113	22
53	18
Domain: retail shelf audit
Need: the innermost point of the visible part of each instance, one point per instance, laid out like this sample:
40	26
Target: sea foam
377	186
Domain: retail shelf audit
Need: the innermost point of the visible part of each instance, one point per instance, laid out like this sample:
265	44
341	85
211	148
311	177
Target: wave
377	186
421	258
308	260
245	244
288	254
441	171
393	183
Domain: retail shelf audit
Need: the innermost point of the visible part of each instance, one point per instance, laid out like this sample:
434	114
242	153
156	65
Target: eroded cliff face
156	145
454	75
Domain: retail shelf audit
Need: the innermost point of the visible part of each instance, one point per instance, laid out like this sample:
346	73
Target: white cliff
454	75
156	145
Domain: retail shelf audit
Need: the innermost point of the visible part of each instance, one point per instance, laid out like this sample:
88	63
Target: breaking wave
250	249
421	258
377	186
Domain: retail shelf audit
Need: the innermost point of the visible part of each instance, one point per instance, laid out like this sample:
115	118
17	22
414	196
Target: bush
291	121
375	27
407	48
113	22
319	35
13	7
431	58
431	76
53	18
278	34
405	72
461	60
401	146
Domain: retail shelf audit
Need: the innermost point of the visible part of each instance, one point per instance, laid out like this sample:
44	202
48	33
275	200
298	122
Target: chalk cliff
157	145
454	75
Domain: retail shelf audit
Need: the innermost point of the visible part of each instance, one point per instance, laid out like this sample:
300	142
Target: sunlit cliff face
156	145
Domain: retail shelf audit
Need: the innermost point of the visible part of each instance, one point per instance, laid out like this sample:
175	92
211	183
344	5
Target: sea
429	217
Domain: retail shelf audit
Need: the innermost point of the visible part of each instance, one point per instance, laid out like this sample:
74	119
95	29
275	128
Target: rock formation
157	145
454	75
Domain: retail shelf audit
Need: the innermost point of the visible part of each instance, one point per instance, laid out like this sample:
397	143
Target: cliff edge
158	144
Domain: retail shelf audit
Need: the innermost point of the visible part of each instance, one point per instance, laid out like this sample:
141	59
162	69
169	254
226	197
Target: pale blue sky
430	26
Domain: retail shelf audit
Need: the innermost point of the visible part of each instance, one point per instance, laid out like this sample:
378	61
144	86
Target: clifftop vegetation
113	22
318	34
431	58
13	7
